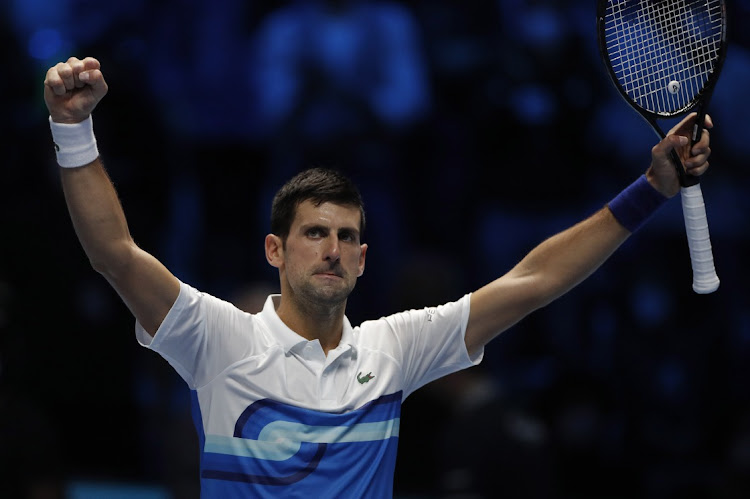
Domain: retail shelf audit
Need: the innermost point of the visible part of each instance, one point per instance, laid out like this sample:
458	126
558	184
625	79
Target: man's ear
362	260
274	250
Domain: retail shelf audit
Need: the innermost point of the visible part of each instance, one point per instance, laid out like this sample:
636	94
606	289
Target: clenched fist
72	89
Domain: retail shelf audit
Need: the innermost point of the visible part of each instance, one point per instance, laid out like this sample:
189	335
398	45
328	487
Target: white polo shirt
277	417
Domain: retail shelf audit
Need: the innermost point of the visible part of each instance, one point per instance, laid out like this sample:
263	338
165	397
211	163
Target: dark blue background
475	130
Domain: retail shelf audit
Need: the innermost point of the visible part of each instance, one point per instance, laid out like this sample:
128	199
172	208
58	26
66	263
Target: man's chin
332	294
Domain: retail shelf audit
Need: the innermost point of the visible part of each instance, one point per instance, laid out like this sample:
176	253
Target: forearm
550	270
567	258
97	216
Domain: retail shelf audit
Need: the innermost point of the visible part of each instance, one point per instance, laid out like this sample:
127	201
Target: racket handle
705	279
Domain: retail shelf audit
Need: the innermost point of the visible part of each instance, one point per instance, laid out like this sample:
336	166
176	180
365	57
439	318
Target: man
294	400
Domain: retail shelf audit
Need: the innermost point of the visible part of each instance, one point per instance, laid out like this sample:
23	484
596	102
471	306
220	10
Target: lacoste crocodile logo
364	379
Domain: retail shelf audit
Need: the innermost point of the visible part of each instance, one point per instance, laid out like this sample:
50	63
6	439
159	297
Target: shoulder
219	317
415	319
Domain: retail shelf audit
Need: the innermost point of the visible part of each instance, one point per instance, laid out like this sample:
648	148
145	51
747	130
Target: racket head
663	56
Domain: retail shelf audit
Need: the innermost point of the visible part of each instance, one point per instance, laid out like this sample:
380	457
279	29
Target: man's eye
314	233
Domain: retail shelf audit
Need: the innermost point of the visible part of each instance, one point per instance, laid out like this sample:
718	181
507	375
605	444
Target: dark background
475	130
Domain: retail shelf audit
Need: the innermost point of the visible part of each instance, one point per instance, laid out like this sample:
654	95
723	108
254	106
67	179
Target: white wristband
75	144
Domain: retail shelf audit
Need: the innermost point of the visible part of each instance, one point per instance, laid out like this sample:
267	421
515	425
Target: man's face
323	256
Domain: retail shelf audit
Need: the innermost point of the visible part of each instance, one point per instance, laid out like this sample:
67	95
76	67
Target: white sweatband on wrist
75	144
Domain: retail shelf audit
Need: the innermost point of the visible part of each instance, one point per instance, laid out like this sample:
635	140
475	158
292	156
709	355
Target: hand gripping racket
664	57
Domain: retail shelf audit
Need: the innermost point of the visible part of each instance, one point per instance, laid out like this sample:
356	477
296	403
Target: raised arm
71	91
564	260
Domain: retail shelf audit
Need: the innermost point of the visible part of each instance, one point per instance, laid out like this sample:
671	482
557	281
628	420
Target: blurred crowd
474	130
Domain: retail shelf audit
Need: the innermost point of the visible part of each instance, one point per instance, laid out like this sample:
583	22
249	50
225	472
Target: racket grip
705	279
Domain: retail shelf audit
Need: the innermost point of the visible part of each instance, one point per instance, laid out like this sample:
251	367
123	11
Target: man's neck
325	324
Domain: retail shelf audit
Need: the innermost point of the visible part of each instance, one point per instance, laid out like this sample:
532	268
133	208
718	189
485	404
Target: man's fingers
684	126
54	81
91	75
76	73
66	74
95	79
698	159
61	78
694	159
670	142
76	65
90	63
697	169
702	144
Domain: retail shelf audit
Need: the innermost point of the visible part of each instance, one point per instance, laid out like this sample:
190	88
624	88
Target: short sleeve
431	342
200	336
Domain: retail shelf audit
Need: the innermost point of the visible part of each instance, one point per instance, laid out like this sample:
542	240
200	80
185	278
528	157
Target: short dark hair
319	185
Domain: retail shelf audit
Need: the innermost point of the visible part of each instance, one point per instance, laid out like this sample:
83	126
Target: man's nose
332	249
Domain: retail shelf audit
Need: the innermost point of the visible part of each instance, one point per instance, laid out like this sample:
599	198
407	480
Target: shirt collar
290	339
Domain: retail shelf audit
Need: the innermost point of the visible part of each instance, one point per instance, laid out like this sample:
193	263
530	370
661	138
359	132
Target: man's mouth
329	273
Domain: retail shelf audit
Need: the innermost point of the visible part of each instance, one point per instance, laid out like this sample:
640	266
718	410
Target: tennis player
294	400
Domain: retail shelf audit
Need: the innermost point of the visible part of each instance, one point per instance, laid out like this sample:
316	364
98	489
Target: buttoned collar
289	339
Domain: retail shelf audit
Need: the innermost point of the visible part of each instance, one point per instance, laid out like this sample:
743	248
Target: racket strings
663	52
660	34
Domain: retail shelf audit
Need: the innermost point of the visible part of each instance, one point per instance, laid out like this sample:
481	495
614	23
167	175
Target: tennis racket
664	57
